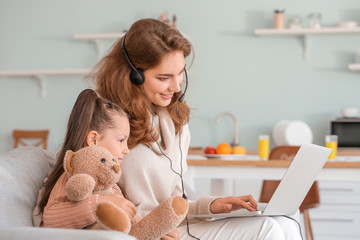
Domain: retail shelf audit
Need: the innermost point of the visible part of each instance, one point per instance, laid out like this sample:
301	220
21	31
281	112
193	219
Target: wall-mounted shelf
97	37
39	75
354	67
304	32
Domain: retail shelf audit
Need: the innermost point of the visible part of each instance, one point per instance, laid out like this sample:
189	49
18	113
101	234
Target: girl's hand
173	235
122	203
229	204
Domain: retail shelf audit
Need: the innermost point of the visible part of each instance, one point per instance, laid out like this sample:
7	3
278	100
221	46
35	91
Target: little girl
93	121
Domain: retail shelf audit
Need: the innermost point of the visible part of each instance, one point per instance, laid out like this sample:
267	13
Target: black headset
137	74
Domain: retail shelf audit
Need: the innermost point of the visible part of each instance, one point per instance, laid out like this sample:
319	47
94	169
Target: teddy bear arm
163	219
110	217
79	187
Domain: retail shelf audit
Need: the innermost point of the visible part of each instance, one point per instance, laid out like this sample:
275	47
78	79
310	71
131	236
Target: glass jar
314	20
295	23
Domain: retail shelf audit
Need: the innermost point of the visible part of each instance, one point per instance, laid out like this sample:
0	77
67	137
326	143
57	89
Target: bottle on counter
279	19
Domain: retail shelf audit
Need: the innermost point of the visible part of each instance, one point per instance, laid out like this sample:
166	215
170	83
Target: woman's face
162	81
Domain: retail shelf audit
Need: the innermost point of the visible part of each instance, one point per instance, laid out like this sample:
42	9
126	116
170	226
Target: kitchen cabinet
338	216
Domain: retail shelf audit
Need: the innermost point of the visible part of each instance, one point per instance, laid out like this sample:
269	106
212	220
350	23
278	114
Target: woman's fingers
250	201
228	204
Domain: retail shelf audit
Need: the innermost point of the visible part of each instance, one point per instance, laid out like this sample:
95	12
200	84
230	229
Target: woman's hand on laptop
229	204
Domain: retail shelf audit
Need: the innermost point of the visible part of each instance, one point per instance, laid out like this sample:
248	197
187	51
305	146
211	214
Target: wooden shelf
305	32
39	75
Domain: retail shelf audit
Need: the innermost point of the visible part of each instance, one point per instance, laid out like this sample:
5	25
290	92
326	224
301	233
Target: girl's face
162	81
115	139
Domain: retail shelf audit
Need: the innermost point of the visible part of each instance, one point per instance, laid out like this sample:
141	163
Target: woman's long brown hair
147	42
90	112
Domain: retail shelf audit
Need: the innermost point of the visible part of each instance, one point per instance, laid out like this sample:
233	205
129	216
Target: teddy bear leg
163	219
111	217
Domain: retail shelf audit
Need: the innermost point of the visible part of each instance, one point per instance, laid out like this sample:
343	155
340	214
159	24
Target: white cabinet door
338	216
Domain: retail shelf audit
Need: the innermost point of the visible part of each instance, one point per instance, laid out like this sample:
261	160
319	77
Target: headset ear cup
137	76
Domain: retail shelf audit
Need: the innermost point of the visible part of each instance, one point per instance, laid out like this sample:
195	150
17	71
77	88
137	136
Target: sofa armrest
39	233
22	171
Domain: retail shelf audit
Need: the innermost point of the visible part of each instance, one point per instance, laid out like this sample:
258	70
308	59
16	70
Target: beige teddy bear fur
93	170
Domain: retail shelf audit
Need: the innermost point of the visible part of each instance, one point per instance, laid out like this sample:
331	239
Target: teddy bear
93	170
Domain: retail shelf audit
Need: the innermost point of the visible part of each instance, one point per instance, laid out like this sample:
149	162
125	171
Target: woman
143	73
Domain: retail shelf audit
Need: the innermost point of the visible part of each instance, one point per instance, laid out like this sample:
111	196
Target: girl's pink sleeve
71	215
60	212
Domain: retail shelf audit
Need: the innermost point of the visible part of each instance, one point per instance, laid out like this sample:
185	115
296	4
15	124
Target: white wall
260	79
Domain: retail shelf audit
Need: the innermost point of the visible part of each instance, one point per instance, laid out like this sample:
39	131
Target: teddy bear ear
69	155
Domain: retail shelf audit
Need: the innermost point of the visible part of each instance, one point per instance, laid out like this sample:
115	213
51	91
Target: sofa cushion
36	233
22	171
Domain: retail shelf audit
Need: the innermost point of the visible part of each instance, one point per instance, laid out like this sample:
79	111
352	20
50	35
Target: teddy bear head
96	162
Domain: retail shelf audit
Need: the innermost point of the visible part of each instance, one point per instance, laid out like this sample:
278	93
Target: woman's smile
166	96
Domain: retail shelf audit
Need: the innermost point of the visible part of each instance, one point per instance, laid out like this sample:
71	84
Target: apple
210	150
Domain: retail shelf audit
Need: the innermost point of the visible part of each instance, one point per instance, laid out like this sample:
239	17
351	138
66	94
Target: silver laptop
294	186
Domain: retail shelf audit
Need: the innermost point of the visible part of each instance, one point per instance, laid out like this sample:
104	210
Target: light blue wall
262	80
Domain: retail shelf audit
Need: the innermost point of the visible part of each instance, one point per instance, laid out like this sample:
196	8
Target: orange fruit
223	148
240	150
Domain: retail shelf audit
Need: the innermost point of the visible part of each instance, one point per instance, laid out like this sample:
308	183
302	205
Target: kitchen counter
223	172
199	160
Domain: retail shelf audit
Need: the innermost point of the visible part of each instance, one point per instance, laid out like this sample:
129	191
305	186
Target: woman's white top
147	178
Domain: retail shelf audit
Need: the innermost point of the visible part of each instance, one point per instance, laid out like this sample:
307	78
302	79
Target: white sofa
22	171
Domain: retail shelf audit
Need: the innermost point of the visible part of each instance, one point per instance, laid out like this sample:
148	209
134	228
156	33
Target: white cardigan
147	178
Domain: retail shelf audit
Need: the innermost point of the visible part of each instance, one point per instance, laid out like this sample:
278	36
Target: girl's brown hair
90	112
147	42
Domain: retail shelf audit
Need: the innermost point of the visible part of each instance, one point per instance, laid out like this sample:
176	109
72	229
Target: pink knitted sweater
60	212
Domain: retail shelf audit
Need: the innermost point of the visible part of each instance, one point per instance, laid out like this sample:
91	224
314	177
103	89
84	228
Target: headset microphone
181	98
